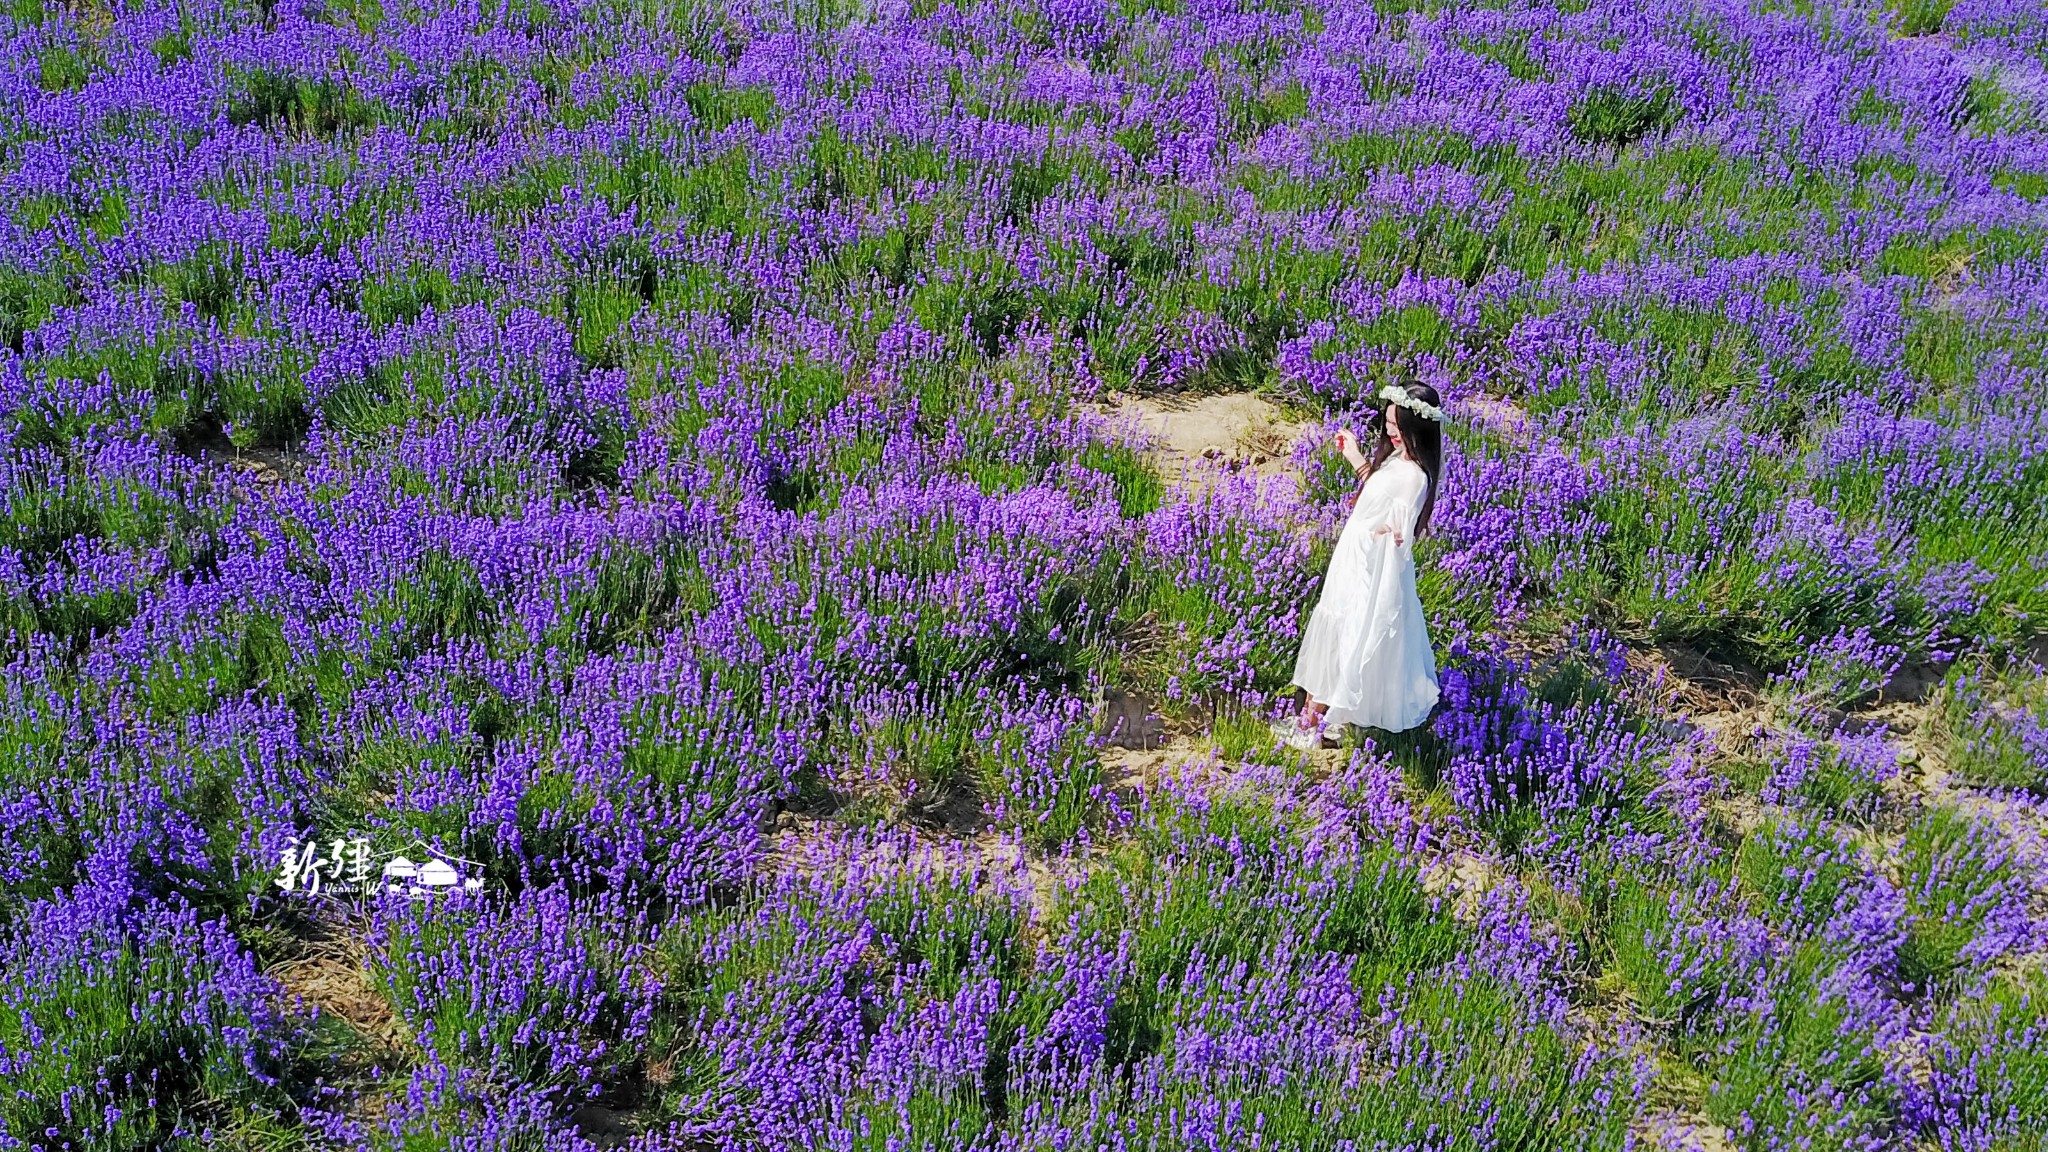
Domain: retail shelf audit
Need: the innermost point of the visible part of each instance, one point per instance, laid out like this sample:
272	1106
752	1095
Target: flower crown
1395	394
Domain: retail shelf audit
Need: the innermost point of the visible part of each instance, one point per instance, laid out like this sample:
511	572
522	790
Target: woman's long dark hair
1425	439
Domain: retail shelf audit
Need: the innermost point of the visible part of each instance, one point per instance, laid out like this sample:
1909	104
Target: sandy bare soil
1189	435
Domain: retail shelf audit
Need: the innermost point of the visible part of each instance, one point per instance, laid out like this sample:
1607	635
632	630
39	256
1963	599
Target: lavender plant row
657	456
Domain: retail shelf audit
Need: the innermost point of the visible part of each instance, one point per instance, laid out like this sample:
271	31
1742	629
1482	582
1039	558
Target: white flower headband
1394	394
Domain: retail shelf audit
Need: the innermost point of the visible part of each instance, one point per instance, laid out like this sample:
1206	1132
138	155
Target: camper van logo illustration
347	867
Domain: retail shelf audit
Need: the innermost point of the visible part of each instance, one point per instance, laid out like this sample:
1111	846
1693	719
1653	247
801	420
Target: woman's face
1394	432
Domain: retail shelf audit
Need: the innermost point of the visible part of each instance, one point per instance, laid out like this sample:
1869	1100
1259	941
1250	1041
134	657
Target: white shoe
1304	739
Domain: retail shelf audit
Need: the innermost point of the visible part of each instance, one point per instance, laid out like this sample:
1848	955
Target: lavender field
694	470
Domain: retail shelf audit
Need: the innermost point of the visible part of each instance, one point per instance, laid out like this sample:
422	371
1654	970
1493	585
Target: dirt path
330	977
1187	436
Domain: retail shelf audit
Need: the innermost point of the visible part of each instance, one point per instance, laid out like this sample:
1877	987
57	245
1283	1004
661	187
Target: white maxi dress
1365	652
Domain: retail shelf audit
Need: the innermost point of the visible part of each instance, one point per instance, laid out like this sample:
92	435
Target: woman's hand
1383	529
1347	443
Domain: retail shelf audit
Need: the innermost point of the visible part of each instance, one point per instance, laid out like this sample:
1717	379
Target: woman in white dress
1365	656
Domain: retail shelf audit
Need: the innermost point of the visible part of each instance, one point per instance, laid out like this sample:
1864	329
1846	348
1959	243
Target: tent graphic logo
438	872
